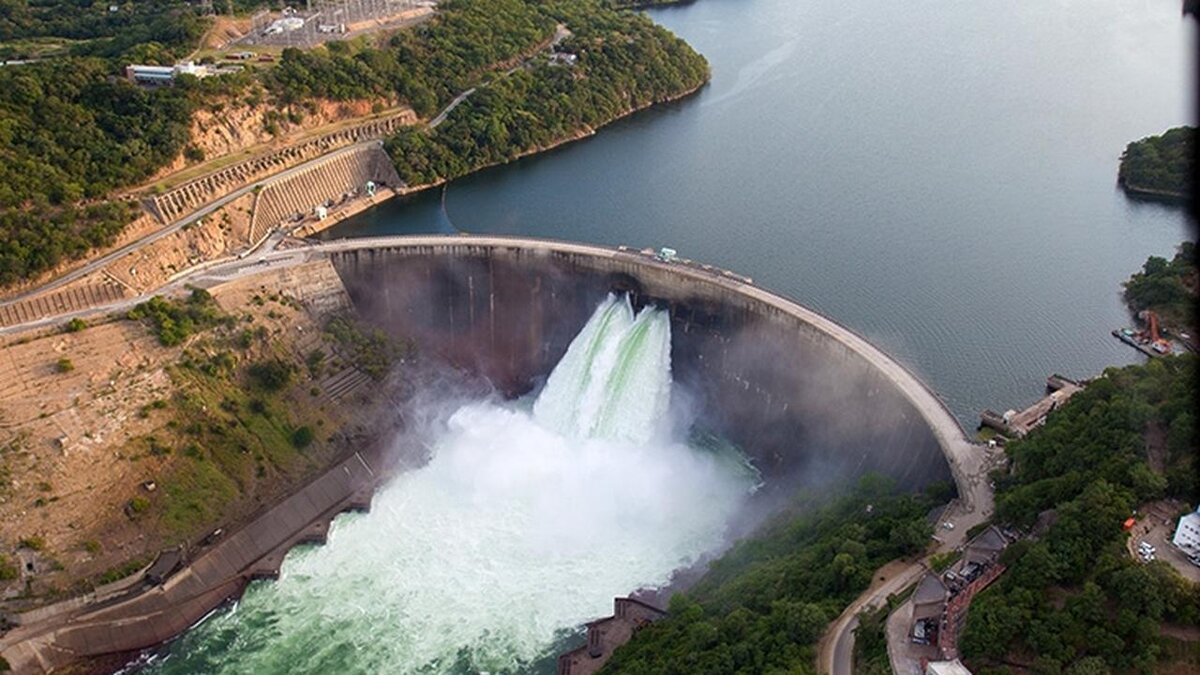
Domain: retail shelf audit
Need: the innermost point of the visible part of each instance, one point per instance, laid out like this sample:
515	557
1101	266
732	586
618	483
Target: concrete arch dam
806	398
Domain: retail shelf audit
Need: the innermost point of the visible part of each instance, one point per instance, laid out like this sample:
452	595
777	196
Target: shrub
193	153
302	437
315	362
173	321
33	543
64	365
272	375
75	325
8	572
137	505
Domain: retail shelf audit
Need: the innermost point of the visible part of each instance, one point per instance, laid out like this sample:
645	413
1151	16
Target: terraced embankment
183	200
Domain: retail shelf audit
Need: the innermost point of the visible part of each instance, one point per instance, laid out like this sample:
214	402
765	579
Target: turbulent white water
522	526
615	379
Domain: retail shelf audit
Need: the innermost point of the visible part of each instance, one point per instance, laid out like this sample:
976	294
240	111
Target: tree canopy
1073	598
764	604
1160	164
623	62
1166	287
72	132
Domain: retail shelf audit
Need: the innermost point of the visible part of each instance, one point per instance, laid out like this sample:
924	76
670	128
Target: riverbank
357	206
1159	167
1150	194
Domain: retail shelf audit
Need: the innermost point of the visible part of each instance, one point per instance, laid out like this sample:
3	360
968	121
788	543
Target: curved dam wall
804	397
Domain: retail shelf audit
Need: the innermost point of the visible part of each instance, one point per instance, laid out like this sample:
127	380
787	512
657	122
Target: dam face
802	402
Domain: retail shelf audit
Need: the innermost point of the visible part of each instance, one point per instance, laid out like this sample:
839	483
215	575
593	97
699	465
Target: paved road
837	648
103	261
433	124
836	651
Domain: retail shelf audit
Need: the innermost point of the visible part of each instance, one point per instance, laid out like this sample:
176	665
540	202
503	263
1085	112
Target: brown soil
225	29
73	444
229	127
221	234
63	434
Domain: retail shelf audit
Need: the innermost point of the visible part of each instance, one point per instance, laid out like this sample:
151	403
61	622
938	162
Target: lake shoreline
362	205
1150	194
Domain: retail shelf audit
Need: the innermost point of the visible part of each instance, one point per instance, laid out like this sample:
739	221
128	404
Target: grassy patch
942	561
8	569
196	494
33	543
121	571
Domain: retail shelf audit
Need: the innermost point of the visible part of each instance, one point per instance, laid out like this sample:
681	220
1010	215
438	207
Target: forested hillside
157	31
426	67
1166	287
624	62
1159	164
1073	600
72	131
763	605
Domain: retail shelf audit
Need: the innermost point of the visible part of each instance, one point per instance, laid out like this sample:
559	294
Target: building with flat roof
1187	533
157	76
954	667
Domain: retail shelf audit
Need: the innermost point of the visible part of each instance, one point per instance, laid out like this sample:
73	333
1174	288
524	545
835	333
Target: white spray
521	526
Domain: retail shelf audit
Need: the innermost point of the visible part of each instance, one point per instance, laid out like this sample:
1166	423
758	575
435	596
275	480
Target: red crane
1156	341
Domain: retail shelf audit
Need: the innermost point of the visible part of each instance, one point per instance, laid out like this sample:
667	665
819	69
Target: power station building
158	76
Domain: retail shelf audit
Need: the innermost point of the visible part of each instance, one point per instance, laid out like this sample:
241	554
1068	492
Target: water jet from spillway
525	523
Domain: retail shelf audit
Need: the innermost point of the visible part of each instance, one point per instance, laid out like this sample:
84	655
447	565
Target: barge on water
1129	337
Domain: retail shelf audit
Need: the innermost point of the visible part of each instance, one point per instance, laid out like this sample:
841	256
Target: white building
1187	534
954	667
163	75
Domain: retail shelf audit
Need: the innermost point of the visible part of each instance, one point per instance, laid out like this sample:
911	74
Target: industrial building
157	76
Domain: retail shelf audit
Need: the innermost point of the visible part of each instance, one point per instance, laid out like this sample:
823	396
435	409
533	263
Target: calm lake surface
937	175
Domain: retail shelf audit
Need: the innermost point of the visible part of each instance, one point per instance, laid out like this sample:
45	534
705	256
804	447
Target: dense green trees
425	67
1168	288
71	133
1159	164
67	133
170	26
1074	599
624	62
764	604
